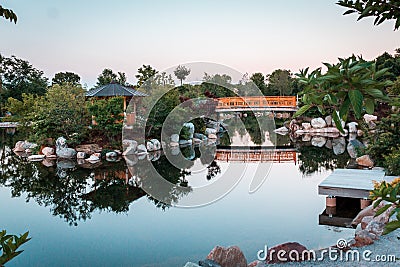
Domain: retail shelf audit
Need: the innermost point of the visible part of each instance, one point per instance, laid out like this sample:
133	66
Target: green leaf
337	121
391	226
382	210
349	12
344	109
356	99
302	110
369	105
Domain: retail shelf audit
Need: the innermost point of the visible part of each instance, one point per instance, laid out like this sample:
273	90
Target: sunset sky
251	36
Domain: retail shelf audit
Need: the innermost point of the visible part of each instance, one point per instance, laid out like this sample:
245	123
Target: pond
85	215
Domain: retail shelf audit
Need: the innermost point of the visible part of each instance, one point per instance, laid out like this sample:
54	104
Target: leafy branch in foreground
381	9
352	86
389	192
10	244
8	14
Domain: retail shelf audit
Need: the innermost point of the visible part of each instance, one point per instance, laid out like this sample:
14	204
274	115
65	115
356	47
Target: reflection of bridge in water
279	155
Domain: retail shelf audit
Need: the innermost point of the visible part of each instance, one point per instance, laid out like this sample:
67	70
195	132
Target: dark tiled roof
113	89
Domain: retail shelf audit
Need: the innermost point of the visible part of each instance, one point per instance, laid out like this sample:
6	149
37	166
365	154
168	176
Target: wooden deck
8	124
351	183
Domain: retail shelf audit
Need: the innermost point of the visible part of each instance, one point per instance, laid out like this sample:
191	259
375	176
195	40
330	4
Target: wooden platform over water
8	124
351	182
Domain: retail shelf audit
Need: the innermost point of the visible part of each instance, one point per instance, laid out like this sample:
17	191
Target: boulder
370	118
93	159
156	144
368	211
306	126
63	151
48	162
228	257
90	149
293	126
365	221
371	125
190	126
129	147
111	154
365	161
36	157
352	127
175	138
355	148
360	133
318	123
48	151
339	145
174	144
306	138
141	149
19	147
80	155
212	136
149	146
65	164
364	238
328	120
197	141
294	253
328	144
318	141
375	227
210	131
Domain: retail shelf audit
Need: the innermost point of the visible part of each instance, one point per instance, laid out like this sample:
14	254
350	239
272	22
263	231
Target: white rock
80	155
306	138
175	138
281	130
339	145
111	154
93	159
141	149
306	126
36	157
369	118
318	123
328	120
156	144
210	131
149	146
174	144
318	141
352	127
212	136
48	151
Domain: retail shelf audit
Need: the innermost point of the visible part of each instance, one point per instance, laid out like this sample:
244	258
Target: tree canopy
108	76
66	77
280	82
181	72
382	10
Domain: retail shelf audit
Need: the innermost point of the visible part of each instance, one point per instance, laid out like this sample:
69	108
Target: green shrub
392	162
9	245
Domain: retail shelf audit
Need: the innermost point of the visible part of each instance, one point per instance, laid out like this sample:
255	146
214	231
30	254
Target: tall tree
259	80
18	76
66	77
381	9
144	74
121	78
8	14
280	82
181	72
106	77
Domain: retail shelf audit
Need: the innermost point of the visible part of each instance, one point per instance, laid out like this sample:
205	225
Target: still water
89	216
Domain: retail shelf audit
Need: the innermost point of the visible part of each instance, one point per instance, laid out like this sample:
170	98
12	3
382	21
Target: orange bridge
257	155
257	103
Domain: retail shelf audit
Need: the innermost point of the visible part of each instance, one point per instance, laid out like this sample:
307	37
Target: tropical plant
10	244
350	87
381	9
390	192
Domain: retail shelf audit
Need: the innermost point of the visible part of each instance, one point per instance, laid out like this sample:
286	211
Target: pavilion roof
114	89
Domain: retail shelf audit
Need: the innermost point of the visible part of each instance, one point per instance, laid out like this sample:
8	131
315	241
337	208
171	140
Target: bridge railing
257	101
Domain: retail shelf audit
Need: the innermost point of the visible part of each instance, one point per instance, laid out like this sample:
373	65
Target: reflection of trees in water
315	159
213	170
255	127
